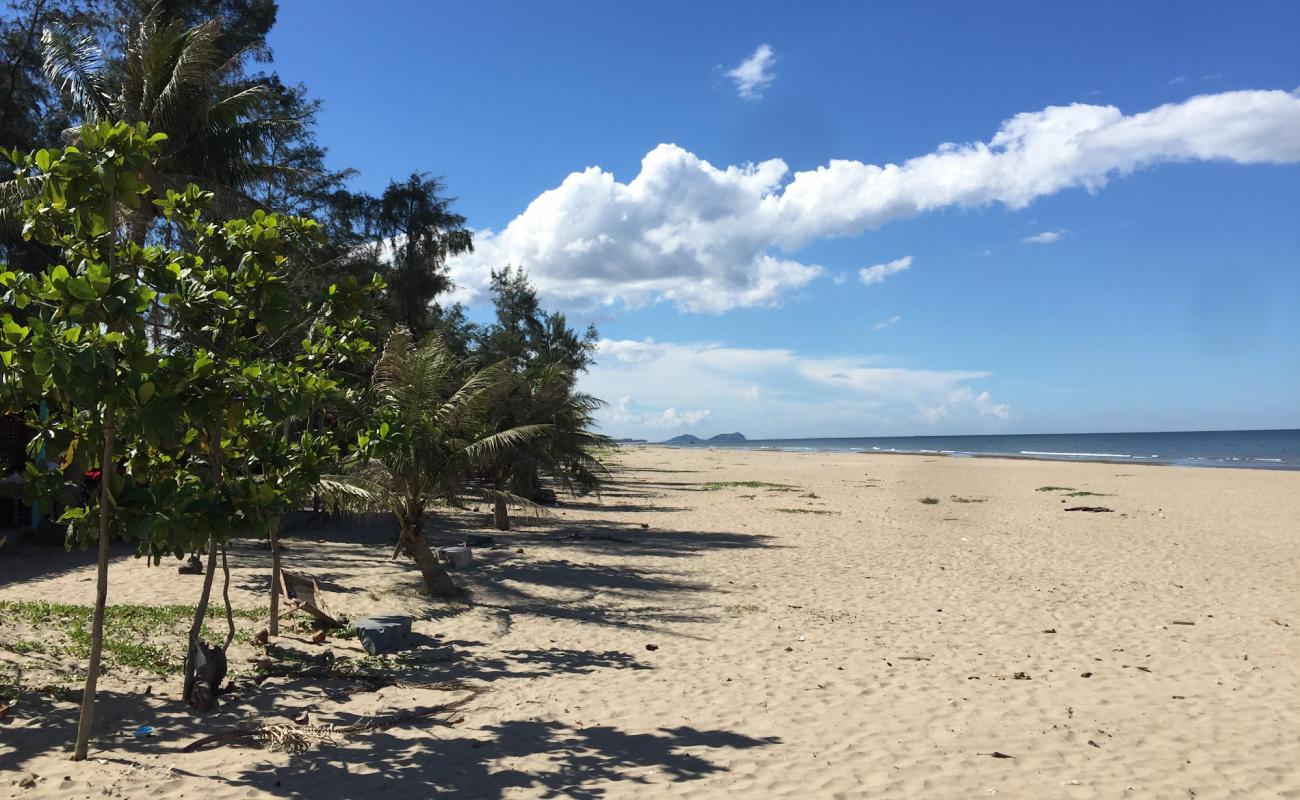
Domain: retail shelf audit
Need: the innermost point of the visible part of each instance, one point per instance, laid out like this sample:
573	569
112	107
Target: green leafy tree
230	311
190	440
526	333
546	356
427	434
74	336
544	396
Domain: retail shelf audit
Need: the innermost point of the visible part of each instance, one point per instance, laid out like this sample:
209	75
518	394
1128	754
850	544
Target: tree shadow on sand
565	761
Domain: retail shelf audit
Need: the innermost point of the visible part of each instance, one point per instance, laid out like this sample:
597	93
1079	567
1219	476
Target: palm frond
180	72
356	493
489	447
75	65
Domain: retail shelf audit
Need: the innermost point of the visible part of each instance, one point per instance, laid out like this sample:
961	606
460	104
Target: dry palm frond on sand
298	738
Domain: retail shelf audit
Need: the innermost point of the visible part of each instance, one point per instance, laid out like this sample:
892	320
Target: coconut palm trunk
501	515
500	510
436	578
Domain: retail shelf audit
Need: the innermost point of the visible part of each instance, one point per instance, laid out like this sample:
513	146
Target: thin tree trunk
201	611
274	628
225	596
106	469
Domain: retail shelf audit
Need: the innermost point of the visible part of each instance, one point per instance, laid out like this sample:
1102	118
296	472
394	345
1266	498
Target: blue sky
1131	262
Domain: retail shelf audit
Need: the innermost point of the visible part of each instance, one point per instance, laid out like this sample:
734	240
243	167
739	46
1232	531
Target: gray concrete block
383	633
457	557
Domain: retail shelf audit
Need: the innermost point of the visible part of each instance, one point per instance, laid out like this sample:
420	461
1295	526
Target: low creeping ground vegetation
714	486
957	499
930	501
145	638
805	511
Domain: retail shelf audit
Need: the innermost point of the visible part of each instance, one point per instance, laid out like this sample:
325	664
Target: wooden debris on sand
302	592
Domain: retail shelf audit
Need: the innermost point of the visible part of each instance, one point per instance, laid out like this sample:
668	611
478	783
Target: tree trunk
200	612
274	628
225	596
106	469
501	515
436	578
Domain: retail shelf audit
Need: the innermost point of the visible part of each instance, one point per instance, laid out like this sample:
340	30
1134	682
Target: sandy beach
731	624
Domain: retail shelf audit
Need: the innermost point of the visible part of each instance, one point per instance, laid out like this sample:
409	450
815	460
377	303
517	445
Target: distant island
687	438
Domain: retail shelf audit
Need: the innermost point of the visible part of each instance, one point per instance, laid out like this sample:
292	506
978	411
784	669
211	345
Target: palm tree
181	81
545	396
428	437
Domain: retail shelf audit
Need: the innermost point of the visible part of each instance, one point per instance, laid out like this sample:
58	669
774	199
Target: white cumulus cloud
710	238
877	273
754	74
1047	237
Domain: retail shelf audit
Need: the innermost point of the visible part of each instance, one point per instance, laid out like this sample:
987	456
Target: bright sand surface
837	639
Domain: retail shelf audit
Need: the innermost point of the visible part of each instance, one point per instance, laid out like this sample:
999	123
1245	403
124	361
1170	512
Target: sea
1271	449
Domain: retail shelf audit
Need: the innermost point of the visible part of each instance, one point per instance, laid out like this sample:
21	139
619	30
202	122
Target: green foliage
201	423
420	232
545	398
526	334
425	430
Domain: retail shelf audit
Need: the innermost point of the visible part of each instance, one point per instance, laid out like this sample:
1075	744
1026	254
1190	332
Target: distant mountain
728	437
687	438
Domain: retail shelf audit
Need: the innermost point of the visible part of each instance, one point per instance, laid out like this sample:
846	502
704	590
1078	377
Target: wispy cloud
626	414
687	385
754	74
887	323
960	401
1047	237
1177	80
709	238
878	272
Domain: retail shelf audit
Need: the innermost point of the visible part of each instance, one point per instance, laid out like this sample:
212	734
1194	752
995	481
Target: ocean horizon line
1272	448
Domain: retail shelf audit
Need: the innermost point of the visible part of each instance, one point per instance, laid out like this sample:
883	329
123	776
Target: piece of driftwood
302	592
